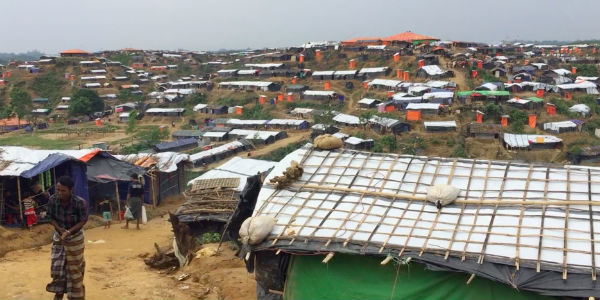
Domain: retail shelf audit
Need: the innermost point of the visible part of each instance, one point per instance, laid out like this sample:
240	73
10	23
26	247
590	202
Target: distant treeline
29	55
593	41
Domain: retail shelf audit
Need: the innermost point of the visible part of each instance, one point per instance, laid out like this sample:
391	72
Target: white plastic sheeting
525	140
16	160
559	236
347	119
556	126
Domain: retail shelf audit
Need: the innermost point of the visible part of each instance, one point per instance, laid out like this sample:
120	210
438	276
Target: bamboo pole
118	200
465	201
20	200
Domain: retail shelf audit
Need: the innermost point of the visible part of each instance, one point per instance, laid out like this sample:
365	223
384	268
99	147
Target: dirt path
115	269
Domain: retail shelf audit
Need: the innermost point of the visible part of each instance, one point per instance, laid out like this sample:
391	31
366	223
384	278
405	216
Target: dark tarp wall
107	165
363	277
64	165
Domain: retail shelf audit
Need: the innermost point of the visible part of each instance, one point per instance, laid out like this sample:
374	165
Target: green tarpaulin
363	277
483	93
535	99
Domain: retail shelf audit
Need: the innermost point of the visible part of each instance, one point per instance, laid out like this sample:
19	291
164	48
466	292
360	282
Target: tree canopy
85	102
21	102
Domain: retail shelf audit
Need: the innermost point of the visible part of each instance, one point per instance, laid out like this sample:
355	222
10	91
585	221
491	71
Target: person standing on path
68	213
134	200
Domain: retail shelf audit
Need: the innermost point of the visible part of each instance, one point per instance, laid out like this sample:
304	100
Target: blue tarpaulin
75	168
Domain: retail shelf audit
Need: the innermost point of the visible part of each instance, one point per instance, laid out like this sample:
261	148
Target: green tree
131	121
364	118
493	111
21	102
85	102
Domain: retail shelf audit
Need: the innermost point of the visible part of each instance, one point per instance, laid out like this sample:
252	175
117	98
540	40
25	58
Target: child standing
106	209
29	205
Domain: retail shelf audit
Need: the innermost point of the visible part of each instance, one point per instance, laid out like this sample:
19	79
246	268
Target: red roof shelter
75	53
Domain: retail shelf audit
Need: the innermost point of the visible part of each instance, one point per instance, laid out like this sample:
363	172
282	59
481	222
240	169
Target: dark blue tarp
75	168
53	160
167	146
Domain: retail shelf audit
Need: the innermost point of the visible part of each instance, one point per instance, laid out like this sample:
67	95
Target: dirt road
115	269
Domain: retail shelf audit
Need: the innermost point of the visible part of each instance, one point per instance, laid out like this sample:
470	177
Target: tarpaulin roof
165	146
408	37
106	168
506	213
51	161
16	160
164	161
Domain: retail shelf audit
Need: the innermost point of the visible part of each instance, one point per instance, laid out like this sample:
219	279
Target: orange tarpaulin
539	93
399	73
352	64
327	85
391	108
294	80
13	122
90	155
504	121
532	121
397	57
479	118
413	115
551	110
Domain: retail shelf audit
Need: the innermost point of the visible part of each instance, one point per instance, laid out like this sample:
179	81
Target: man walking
68	213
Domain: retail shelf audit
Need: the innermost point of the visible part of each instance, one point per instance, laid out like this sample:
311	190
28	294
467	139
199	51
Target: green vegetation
518	119
591	102
386	143
208	237
493	111
257	112
278	154
589	70
21	102
48	85
123	57
562	107
229	102
131	122
146	138
125	95
194	99
412	145
38	141
85	102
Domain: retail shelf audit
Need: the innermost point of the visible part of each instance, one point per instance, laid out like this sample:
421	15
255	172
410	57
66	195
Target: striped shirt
66	216
28	203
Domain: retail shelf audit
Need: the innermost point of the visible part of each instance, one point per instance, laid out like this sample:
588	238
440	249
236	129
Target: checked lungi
67	266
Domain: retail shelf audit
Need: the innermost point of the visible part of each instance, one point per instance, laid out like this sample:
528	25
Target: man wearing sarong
135	194
68	213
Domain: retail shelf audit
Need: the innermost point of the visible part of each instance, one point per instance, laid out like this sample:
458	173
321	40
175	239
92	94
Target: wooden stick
464	252
20	200
328	257
521	218
539	256
593	244
118	200
566	230
459	201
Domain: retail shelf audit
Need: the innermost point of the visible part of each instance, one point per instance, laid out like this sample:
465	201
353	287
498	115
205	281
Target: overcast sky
52	26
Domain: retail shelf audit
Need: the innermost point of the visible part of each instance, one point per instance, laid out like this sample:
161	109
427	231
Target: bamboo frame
391	220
